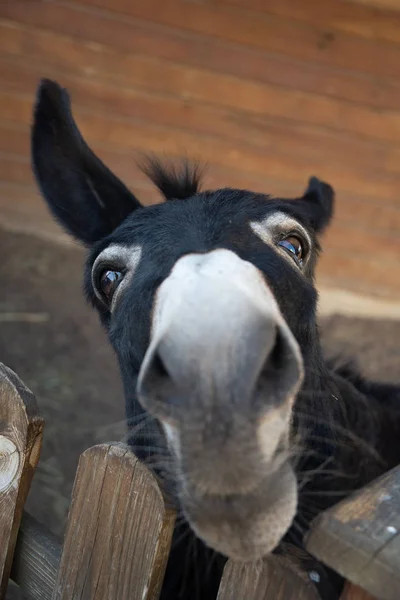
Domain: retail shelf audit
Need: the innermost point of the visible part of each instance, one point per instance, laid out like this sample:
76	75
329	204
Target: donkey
209	302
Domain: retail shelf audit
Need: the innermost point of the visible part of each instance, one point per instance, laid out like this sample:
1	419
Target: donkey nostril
278	353
157	378
158	367
282	372
159	388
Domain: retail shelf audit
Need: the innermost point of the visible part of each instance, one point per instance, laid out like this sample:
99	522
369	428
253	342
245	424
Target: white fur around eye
128	256
268	229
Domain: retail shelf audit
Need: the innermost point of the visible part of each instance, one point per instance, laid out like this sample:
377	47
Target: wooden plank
36	559
358	274
270	579
119	530
22	210
357	240
100	127
20	441
270	34
359	537
226	58
392	4
315	144
216	88
334	15
213	54
15	169
354	592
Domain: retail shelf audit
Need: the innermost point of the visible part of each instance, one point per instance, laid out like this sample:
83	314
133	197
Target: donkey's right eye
109	281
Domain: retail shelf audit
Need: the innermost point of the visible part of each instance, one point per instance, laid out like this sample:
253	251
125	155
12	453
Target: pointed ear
83	194
319	199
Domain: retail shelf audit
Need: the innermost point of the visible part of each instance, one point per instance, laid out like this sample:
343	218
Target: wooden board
357	17
119	531
20	441
271	579
360	538
36	560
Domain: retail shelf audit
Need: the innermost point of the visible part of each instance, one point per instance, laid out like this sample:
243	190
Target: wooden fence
119	528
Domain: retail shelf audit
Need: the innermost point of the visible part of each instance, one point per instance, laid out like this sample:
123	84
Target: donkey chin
244	527
222	381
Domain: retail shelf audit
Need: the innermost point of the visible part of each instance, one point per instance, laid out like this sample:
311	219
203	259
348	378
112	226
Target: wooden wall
268	92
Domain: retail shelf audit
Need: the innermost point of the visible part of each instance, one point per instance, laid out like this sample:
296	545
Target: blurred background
267	92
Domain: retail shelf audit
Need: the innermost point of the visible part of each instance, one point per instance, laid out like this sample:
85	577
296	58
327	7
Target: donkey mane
176	181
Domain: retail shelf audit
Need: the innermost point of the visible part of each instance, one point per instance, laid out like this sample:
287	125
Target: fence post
269	579
360	537
20	442
119	530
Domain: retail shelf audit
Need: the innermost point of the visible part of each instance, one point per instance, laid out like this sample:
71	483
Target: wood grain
137	136
235	93
119	531
267	93
20	442
216	55
392	4
270	34
271	579
346	16
36	559
359	537
136	103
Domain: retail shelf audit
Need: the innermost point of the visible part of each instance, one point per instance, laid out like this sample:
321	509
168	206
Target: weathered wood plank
99	127
380	4
353	16
20	441
118	98
36	559
360	537
236	93
271	579
270	34
216	56
119	530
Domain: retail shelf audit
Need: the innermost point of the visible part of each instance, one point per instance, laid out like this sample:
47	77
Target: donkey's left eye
293	245
109	281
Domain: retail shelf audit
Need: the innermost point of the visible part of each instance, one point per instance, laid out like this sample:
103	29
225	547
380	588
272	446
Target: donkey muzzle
221	358
221	374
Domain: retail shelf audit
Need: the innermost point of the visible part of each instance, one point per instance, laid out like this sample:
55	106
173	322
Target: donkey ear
82	193
319	199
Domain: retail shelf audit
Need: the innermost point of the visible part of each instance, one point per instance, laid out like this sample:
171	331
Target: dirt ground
60	351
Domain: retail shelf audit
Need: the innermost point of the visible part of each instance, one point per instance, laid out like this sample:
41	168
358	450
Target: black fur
347	427
82	193
175	182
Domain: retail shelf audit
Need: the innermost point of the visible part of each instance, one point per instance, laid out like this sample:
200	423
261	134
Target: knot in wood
9	462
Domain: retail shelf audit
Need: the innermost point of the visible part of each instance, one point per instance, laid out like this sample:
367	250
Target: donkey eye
293	245
109	281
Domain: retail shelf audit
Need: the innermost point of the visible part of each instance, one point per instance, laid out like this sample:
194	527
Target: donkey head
209	303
